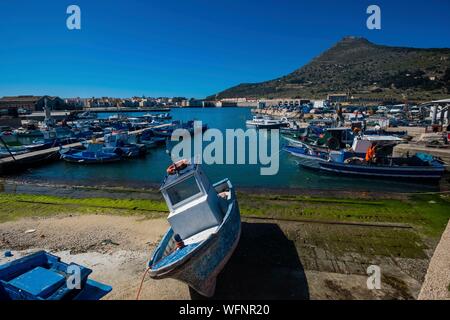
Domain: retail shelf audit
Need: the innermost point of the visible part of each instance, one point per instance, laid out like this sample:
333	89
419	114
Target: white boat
265	123
205	228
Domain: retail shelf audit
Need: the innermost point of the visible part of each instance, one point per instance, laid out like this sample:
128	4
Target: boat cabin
342	136
116	139
362	144
194	205
324	123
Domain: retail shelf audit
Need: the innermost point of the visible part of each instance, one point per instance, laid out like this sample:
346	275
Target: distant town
26	104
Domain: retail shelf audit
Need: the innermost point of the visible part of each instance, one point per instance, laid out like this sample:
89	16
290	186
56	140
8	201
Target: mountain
361	68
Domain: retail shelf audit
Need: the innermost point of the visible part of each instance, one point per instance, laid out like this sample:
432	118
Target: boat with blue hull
123	144
204	232
151	140
375	162
412	168
93	154
43	276
167	131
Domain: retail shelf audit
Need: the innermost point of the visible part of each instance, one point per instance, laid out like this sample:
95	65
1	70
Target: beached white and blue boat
205	228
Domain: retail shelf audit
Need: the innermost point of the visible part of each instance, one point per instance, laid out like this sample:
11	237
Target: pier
59	115
23	161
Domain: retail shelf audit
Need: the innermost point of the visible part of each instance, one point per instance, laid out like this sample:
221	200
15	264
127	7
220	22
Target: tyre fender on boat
354	160
333	143
177	166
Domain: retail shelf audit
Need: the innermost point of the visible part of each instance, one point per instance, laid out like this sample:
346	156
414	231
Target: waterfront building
28	104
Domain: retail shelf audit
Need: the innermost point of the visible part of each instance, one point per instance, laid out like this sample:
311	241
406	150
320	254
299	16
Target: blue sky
190	48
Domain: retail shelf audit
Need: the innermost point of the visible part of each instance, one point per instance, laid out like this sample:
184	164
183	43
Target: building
338	97
193	103
24	104
75	103
287	103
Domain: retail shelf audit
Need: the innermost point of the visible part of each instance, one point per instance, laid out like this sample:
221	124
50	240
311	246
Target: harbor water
150	170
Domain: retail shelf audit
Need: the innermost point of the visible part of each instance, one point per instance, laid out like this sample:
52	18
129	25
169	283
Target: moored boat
149	138
204	229
370	157
94	154
121	144
265	123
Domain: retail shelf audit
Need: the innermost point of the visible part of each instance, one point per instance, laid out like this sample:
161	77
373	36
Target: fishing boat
43	276
115	117
120	143
163	116
151	140
370	157
205	228
330	138
93	154
87	115
137	123
12	151
292	128
167	131
265	122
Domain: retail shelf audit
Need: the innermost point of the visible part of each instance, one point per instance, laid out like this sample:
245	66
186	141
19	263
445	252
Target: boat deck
411	148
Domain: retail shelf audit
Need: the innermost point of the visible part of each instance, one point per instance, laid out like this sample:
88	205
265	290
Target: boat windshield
183	190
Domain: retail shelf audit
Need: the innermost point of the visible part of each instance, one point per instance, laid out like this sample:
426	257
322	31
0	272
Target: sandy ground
98	242
437	281
274	260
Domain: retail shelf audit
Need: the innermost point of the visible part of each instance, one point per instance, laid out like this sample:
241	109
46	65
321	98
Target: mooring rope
142	282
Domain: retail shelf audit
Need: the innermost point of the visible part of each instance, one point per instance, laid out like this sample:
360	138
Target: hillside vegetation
360	68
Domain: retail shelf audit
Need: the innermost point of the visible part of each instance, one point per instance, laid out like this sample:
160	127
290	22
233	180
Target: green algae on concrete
428	213
15	206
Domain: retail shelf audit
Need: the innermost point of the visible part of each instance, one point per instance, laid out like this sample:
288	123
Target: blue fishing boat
205	228
43	276
332	138
167	131
120	143
151	140
370	157
410	168
93	154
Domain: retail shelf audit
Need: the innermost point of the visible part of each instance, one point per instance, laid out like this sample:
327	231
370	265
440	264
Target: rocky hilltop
359	67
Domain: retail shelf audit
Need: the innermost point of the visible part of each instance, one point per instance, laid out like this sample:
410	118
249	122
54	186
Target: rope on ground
142	282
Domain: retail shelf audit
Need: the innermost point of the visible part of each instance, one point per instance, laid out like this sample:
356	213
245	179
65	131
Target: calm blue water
150	170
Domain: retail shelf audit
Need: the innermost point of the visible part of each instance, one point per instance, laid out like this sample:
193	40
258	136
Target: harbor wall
437	280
